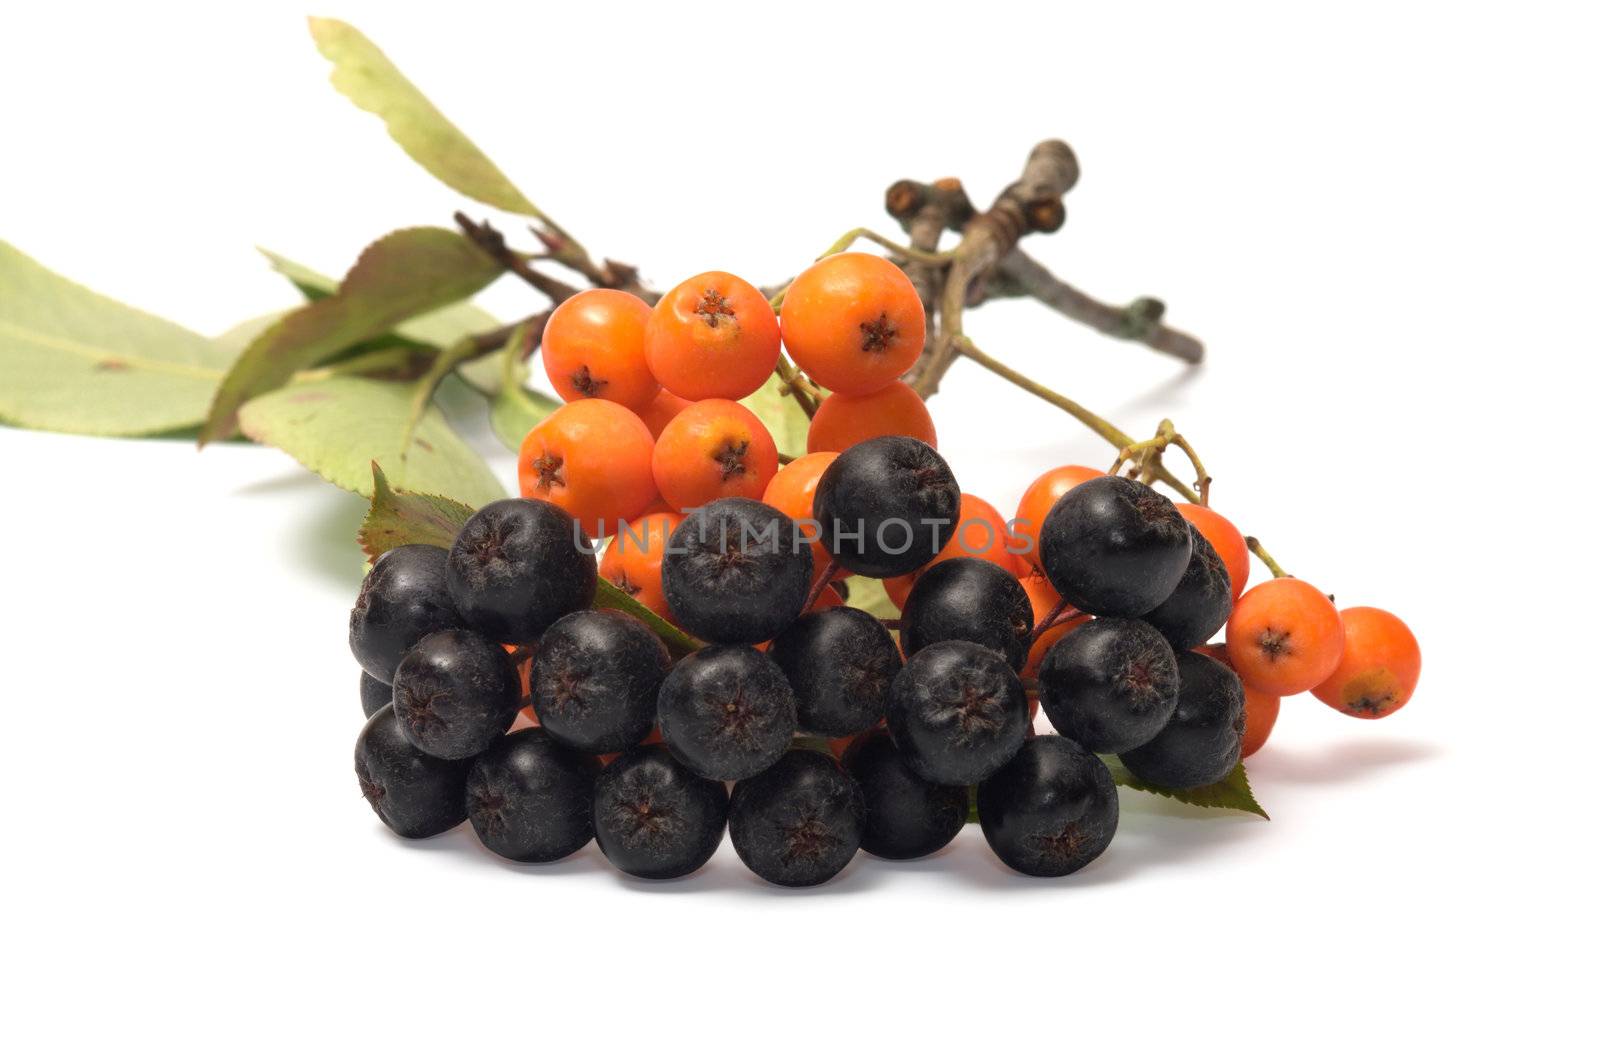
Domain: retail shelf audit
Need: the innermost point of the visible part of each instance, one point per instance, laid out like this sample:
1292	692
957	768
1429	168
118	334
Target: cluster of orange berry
652	428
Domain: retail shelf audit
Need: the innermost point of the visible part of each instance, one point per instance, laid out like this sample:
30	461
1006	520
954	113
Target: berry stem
796	386
1267	559
492	243
828	572
1059	612
914	254
1149	452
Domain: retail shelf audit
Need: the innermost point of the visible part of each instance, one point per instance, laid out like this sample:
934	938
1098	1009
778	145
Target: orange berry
662	409
1284	637
1225	539
714	449
853	322
593	348
591	458
1379	668
899	588
1036	502
712	337
843	420
793	490
633	560
1260	710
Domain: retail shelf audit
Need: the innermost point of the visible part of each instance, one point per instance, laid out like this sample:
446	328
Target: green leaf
608	595
397	278
237	339
397	518
307	281
782	415
870	595
72	360
338	427
514	409
374	84
1232	792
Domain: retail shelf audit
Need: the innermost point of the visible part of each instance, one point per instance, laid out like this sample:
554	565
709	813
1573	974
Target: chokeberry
906	815
654	818
727	712
530	798
1201	743
596	674
736	571
840	663
887	506
958	712
971	599
1051	810
375	694
1109	684
799	822
455	693
517	566
415	795
404	597
1199	606
1114	547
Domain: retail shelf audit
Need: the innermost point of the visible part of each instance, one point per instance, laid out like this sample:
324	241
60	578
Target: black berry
596	675
1109	684
736	571
971	599
375	694
531	799
415	795
1199	606
1200	744
1051	810
403	598
887	506
840	663
654	818
1113	547
799	822
727	712
517	566
906	816
957	712
455	693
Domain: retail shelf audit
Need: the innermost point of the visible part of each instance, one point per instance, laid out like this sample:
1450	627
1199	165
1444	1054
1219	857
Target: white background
1381	219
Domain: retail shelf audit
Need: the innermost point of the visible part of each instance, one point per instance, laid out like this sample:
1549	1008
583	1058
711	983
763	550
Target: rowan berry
591	458
712	337
853	322
1285	637
842	421
593	348
1378	669
793	490
714	449
633	560
1220	532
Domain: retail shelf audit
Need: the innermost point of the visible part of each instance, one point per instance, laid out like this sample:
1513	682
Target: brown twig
493	244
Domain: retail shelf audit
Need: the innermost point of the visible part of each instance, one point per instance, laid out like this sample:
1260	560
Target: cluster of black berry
454	643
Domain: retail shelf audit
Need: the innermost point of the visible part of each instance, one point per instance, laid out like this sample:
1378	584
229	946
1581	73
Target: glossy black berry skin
1109	685
736	572
455	693
727	712
1200	744
403	598
531	799
1114	547
905	816
799	822
1199	606
596	674
375	694
957	712
887	506
654	818
415	795
517	566
1051	810
970	599
840	663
